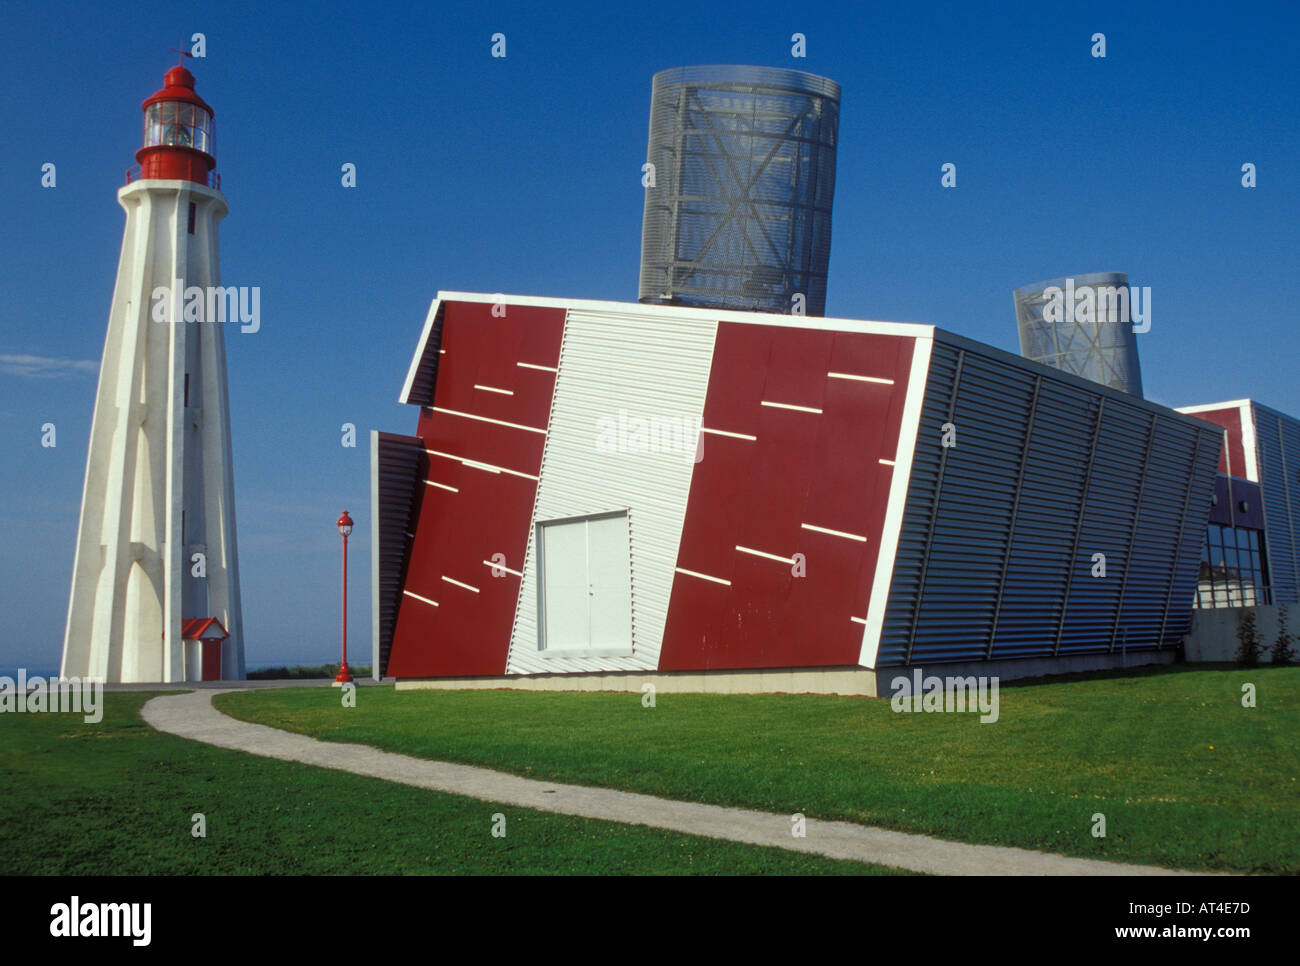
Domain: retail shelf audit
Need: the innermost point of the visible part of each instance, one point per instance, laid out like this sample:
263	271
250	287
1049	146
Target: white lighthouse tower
155	583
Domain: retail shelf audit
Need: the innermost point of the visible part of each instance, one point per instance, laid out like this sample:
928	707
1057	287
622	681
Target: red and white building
610	493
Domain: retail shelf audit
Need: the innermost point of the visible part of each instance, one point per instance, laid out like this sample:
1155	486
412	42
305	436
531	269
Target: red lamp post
345	528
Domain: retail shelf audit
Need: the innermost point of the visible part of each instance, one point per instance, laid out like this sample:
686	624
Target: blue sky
522	176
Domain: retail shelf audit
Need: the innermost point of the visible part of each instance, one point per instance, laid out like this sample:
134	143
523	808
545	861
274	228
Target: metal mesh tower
1096	342
739	215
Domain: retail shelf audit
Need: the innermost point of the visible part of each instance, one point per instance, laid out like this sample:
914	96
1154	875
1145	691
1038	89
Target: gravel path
192	716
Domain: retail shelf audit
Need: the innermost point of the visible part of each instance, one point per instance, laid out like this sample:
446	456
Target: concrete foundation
1036	667
851	681
1213	637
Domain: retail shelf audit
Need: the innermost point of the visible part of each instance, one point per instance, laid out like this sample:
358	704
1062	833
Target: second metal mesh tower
1102	347
739	212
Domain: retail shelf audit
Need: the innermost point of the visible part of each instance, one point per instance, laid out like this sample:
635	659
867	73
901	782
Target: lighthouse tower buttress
156	542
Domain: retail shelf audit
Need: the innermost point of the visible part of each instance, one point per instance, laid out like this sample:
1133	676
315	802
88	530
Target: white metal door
586	585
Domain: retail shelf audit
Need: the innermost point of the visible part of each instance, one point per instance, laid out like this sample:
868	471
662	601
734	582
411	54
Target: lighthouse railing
214	177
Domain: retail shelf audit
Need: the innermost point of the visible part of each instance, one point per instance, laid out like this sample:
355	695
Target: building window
1233	573
585	586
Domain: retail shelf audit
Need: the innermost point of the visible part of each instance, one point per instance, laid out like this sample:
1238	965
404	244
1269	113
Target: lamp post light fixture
345	528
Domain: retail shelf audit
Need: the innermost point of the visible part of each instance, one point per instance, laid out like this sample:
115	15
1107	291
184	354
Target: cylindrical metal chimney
1082	324
739	189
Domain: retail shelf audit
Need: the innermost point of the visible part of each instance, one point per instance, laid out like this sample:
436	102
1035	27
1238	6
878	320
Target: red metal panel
468	633
797	363
711	529
500	446
785	460
760	596
484	350
821	469
1229	419
816	625
747	355
705	608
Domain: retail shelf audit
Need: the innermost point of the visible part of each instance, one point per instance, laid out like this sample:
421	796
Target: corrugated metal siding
1163	553
1191	538
1038	569
424	379
647	367
995	555
398	469
1277	437
1106	527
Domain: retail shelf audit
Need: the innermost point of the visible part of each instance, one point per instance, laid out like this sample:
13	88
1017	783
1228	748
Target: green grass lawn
1185	776
117	798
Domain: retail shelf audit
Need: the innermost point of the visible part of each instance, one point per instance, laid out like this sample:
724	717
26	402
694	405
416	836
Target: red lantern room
178	132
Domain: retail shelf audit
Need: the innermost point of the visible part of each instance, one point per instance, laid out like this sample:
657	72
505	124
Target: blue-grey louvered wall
398	468
995	556
1277	437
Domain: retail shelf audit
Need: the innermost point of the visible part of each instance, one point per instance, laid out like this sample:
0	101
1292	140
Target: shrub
1248	643
305	671
1283	652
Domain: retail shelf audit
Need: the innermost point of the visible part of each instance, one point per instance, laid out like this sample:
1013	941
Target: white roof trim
419	350
1210	407
1249	445
910	329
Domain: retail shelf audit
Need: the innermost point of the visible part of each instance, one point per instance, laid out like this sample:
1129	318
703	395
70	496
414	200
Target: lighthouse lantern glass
178	124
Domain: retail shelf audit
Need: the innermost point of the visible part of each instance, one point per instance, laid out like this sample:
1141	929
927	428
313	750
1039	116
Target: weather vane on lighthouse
155	583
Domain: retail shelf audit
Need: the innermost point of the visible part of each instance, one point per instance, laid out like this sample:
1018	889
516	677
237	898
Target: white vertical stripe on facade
1249	446
617	367
902	474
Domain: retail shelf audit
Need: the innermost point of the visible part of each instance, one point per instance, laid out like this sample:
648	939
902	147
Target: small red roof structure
203	629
